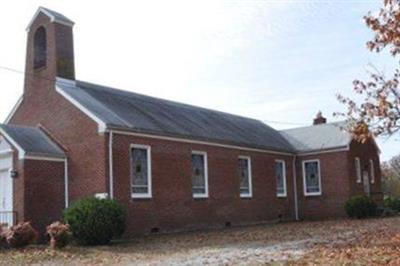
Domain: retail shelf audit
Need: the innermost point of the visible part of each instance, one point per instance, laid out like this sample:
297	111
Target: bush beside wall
361	207
95	221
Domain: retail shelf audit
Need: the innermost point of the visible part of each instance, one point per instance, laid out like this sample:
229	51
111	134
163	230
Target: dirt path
290	243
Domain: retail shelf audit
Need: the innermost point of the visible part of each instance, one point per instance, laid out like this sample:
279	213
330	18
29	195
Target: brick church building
173	166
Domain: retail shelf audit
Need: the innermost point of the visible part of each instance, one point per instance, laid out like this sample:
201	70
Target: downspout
66	183
296	206
110	164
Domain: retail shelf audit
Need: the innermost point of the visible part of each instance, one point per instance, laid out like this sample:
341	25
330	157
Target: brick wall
173	207
42	105
44	192
365	152
334	184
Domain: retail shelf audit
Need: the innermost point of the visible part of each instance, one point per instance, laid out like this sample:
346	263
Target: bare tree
391	177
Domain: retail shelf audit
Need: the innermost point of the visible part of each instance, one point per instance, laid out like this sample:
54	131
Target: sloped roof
124	110
33	141
53	15
318	137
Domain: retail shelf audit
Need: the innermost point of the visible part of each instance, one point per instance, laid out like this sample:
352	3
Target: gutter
66	181
110	163
296	206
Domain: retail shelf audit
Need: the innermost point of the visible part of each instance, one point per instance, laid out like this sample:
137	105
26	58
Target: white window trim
250	194
357	163
202	195
372	171
149	176
284	194
319	178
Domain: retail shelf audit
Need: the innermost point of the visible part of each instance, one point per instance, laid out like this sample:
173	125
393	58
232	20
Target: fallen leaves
343	242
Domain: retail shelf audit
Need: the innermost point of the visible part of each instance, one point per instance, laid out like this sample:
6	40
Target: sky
277	61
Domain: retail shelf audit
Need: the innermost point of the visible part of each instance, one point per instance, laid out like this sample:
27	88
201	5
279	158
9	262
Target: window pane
280	187
198	174
139	171
244	176
312	177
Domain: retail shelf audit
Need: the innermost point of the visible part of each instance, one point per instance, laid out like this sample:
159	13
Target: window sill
313	194
200	196
281	195
246	196
141	196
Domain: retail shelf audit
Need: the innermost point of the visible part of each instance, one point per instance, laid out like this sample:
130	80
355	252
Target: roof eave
172	137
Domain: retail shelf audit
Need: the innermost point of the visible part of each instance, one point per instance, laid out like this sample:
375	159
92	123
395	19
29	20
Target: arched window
39	48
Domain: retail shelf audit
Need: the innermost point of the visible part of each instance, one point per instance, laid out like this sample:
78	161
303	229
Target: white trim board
284	194
205	165
52	18
303	163
101	124
129	133
43	158
250	177
149	193
21	151
14	109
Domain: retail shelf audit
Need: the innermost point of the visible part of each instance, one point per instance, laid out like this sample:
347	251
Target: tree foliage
379	112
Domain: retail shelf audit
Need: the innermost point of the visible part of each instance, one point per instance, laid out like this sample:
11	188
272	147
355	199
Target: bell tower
50	50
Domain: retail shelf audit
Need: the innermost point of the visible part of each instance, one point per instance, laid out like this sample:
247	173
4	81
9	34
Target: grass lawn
339	242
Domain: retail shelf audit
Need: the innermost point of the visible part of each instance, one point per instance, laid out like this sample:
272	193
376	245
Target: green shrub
95	221
361	207
393	204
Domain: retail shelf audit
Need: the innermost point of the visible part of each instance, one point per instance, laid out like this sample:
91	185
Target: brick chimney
50	50
319	119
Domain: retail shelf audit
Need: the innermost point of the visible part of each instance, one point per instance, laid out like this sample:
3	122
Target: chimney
319	119
50	49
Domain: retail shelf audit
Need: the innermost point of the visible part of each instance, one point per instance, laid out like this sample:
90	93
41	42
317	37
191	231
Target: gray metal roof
33	141
318	137
57	16
143	114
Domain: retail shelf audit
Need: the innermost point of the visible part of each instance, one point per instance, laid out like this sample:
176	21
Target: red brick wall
172	206
87	150
365	152
44	192
335	187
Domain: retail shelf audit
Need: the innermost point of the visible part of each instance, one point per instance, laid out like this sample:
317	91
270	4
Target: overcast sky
271	60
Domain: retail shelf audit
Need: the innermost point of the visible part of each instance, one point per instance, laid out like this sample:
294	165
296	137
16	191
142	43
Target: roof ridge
313	126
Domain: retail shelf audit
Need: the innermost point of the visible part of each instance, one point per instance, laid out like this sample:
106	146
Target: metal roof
318	137
33	141
53	15
144	114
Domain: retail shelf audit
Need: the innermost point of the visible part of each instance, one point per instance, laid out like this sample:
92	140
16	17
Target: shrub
3	236
21	235
95	221
59	234
393	204
361	207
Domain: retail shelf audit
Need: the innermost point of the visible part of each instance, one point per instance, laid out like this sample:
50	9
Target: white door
6	184
6	205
